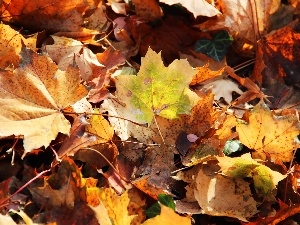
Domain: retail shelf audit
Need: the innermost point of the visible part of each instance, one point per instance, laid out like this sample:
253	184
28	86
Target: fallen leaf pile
149	112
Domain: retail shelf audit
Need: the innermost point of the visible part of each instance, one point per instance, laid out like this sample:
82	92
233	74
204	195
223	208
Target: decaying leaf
268	133
78	138
34	108
277	66
265	179
64	188
157	90
224	196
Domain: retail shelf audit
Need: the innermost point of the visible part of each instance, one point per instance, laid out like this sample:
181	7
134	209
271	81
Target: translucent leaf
265	179
158	90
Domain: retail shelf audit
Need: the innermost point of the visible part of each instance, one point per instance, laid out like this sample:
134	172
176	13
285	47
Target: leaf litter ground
157	124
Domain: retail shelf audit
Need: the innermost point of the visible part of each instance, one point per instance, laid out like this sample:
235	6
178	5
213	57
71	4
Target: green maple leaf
216	48
158	90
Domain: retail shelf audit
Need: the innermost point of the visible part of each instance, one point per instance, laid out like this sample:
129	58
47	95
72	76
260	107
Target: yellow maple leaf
115	205
11	44
100	127
268	133
168	217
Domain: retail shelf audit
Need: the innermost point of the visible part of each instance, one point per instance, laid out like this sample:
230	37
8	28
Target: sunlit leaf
158	90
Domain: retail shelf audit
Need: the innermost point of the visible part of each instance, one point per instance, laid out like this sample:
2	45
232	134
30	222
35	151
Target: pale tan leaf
197	7
223	196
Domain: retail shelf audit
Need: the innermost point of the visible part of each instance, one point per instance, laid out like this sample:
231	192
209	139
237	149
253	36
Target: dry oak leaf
33	96
11	45
268	133
168	217
197	7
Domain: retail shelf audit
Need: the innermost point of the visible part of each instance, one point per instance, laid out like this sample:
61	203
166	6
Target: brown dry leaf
78	138
147	10
244	19
277	66
203	117
95	157
201	60
268	133
11	45
95	133
119	8
158	163
34	107
223	196
111	59
170	36
143	185
99	135
198	8
253	90
84	35
64	51
40	15
64	188
225	131
168	217
98	20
